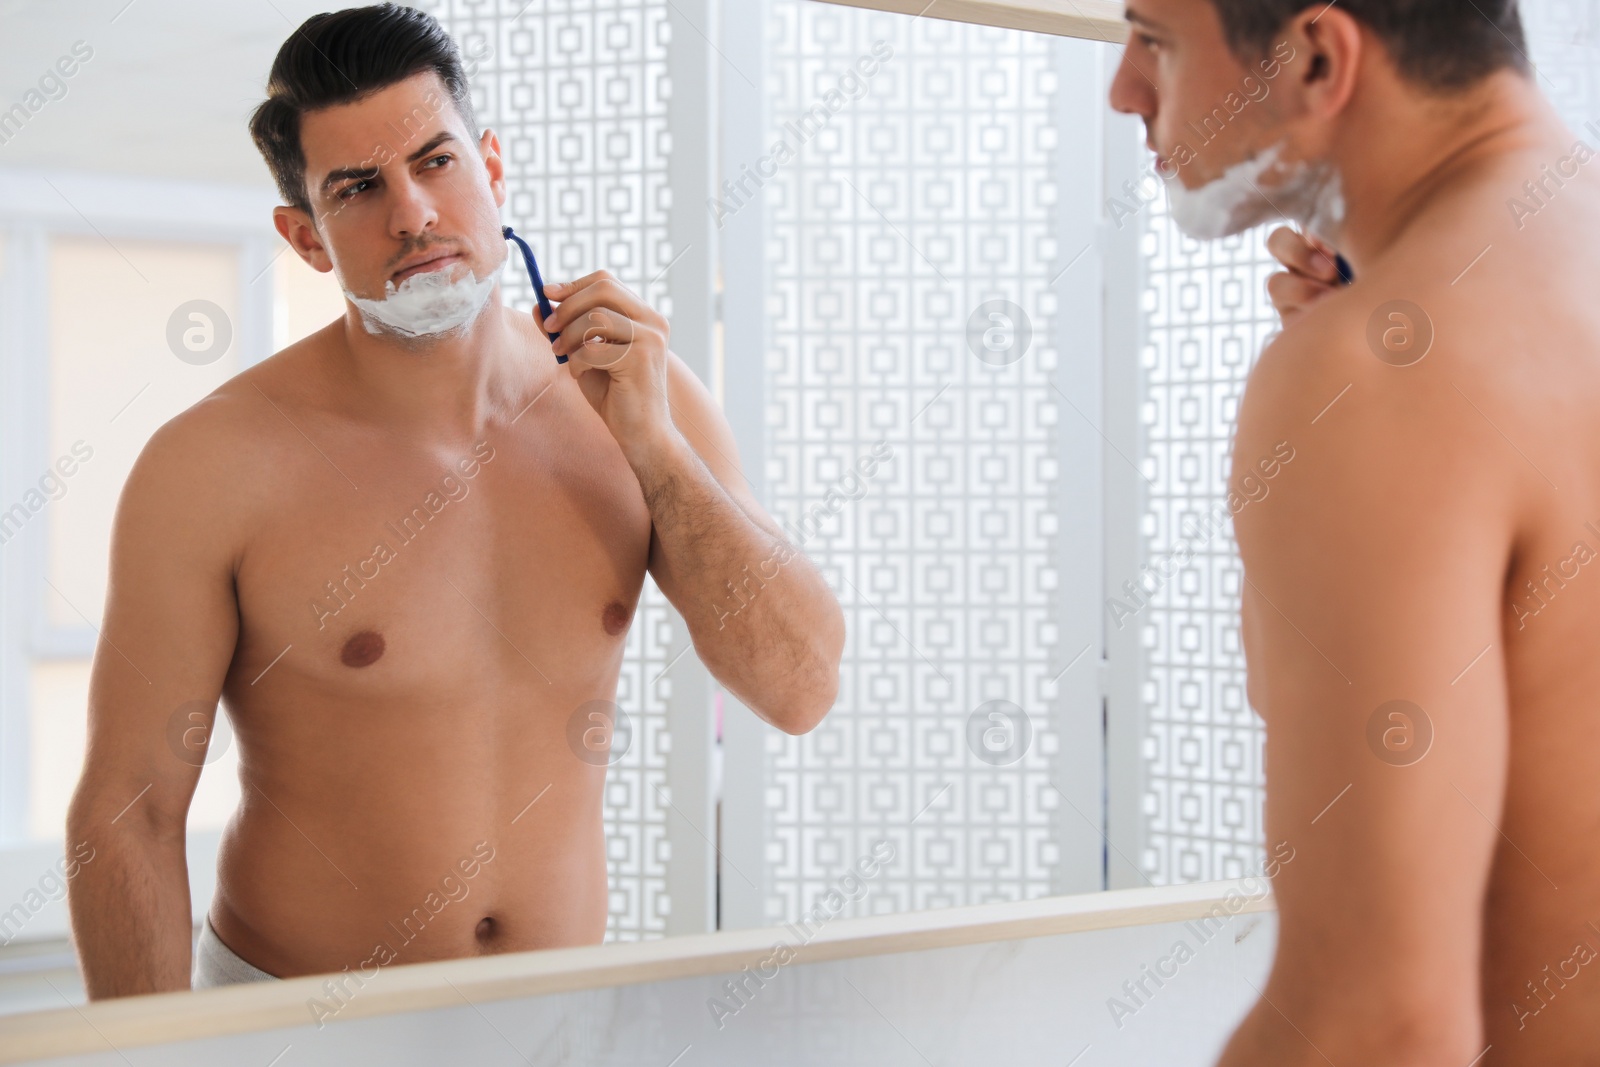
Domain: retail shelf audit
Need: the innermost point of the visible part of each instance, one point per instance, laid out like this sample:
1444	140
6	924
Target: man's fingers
1320	246
601	356
1302	255
600	289
582	283
1293	293
587	338
600	322
538	320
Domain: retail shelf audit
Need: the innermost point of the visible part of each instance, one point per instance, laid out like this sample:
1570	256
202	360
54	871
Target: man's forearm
131	920
762	618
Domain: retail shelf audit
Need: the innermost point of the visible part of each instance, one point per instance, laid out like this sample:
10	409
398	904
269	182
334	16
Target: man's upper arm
1374	562
169	629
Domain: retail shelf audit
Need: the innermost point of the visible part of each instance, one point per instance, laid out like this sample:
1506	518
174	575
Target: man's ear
301	233
489	148
1332	46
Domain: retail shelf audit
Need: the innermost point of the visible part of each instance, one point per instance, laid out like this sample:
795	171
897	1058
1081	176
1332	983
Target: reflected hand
616	346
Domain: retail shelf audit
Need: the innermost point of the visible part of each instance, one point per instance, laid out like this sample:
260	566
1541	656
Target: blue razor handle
1346	275
538	283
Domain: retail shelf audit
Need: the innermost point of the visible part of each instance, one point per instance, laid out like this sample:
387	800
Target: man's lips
1161	160
437	262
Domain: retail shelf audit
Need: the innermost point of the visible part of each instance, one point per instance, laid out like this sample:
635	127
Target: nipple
363	649
615	618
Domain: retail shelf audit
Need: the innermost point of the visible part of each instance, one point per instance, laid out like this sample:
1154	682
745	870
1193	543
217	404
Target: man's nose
411	210
1131	91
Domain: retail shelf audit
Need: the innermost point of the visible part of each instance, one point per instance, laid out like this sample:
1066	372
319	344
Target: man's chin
1218	209
414	336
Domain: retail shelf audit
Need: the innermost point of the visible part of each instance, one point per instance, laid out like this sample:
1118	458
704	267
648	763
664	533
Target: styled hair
338	58
1441	45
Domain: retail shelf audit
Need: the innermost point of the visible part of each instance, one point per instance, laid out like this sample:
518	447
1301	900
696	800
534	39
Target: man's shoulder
211	460
1396	405
211	434
1404	351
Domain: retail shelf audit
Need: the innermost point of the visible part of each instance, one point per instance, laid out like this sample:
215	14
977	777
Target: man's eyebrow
1134	17
346	173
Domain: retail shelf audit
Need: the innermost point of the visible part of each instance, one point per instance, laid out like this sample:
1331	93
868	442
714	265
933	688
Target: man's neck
1402	151
441	388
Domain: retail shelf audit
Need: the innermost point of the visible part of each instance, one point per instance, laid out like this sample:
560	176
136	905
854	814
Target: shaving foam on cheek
1259	190
426	303
1223	207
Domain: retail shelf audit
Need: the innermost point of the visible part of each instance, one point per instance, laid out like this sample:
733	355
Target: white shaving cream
1249	194
427	303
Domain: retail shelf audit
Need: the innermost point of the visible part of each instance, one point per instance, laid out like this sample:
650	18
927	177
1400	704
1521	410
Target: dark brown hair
337	58
1439	44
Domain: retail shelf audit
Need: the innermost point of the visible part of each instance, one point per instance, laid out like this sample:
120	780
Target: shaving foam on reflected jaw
426	304
1250	193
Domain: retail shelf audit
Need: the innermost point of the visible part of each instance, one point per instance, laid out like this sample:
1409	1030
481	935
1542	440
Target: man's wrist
657	456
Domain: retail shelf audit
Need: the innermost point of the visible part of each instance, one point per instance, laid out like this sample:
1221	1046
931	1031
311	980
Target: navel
615	617
363	649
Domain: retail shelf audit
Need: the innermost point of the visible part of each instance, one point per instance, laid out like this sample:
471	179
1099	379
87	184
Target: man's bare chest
395	574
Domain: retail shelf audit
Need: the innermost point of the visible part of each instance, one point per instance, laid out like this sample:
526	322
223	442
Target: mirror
970	369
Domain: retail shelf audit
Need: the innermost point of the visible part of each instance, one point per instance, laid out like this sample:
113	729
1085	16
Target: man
1421	600
405	551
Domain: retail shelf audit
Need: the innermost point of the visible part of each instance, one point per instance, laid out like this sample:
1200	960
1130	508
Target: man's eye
359	186
1148	41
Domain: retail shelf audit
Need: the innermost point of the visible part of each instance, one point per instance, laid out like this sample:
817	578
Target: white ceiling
167	92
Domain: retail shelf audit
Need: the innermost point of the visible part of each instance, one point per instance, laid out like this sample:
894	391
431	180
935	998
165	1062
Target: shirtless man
399	711
1422	591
